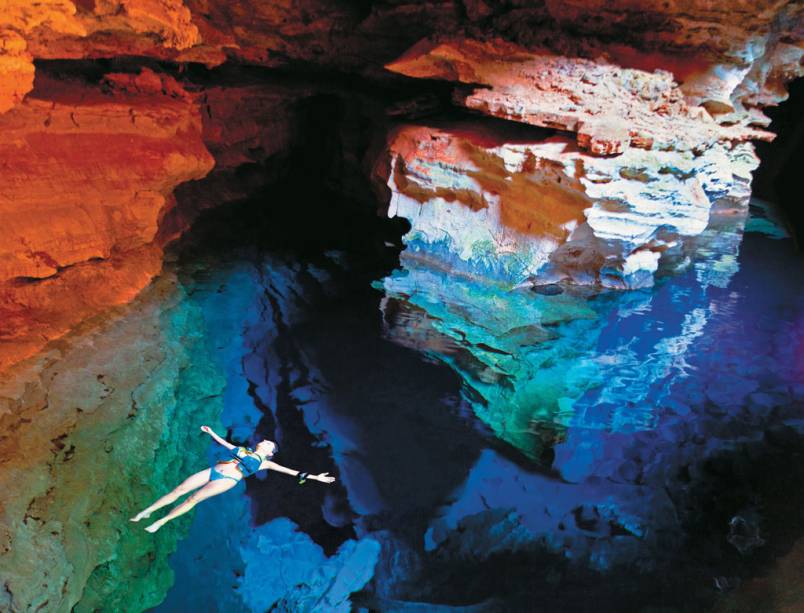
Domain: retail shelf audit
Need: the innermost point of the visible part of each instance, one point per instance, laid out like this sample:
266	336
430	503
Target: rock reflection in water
619	393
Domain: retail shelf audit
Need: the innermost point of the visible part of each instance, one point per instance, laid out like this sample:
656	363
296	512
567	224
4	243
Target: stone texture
682	76
608	106
710	41
94	429
539	210
16	69
658	140
308	579
87	177
112	160
19	20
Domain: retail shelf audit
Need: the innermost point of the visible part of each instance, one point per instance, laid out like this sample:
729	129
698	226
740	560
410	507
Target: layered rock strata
95	167
630	174
720	40
96	428
610	108
545	211
586	69
88	175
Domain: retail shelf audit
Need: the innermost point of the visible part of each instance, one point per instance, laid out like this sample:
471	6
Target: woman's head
267	448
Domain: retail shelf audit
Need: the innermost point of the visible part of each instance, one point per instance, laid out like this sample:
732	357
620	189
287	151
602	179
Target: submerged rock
304	579
103	424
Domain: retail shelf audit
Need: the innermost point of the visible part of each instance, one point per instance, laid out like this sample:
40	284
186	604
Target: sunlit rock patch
90	194
610	108
691	78
89	172
640	159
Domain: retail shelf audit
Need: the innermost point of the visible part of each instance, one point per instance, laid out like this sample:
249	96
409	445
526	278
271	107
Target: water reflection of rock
636	388
500	340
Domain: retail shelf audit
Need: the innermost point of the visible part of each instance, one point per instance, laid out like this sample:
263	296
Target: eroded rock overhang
627	173
647	114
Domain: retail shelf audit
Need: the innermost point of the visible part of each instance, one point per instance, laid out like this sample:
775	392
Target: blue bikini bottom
214	475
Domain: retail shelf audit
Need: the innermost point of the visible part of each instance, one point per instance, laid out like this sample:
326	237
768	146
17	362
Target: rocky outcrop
94	171
19	22
648	161
88	175
94	168
662	103
537	209
644	83
308	580
722	53
609	107
729	55
95	429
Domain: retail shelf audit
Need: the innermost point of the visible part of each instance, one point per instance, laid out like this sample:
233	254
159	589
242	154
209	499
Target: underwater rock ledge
103	421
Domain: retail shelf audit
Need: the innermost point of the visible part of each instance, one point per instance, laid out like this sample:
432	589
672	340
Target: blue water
500	450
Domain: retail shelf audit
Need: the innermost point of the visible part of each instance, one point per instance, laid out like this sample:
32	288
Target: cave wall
126	118
94	429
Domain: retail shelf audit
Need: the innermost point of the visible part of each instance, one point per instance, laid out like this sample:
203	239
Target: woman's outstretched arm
269	465
217	438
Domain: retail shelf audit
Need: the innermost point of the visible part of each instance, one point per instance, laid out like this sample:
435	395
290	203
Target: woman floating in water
221	477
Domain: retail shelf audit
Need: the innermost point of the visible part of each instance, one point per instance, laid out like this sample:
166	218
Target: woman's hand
323	478
206	429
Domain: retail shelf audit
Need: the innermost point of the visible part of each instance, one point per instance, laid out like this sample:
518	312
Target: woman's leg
191	483
213	488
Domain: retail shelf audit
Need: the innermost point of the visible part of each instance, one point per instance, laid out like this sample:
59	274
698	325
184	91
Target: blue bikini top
249	462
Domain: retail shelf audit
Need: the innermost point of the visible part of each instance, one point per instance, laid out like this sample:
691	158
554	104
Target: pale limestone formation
545	211
608	106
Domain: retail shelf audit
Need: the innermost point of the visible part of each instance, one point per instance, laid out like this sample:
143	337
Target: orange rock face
19	20
88	172
482	178
16	70
87	178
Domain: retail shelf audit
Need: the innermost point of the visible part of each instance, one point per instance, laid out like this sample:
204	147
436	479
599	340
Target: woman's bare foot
154	526
141	515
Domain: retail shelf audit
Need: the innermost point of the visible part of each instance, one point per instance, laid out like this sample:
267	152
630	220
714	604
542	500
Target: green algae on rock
98	426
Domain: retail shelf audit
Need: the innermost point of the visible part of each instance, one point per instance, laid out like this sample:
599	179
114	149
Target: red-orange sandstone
87	170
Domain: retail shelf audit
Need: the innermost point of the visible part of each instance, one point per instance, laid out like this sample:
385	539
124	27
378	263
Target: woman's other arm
217	438
269	465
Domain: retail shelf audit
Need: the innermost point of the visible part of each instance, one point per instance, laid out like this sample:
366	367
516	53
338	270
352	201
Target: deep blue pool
501	450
